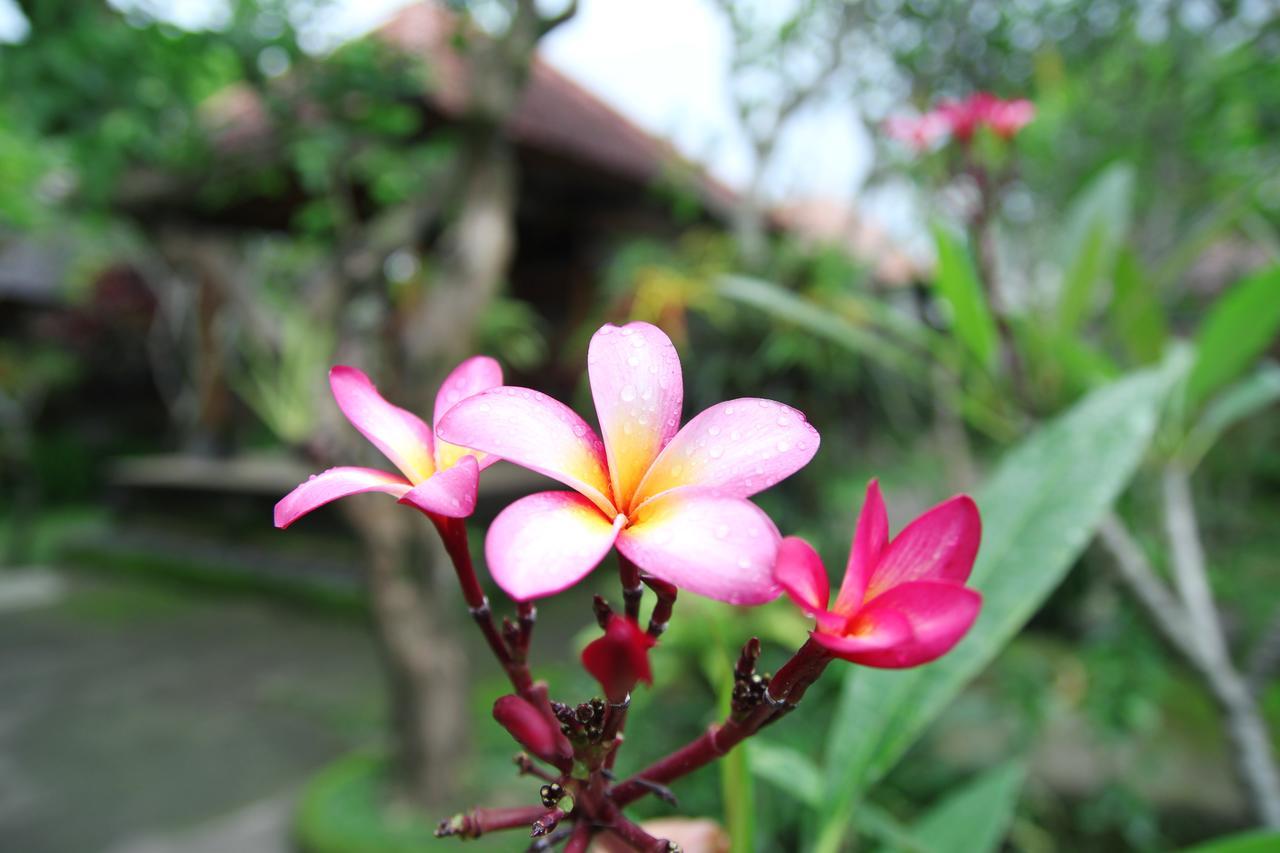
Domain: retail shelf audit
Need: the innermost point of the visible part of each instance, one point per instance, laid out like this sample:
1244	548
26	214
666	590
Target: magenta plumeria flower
672	499
962	119
436	476
903	601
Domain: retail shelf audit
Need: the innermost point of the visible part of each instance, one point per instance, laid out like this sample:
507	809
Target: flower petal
547	542
800	572
534	431
400	435
869	539
888	631
939	545
333	484
717	546
451	492
739	448
939	613
638	392
473	376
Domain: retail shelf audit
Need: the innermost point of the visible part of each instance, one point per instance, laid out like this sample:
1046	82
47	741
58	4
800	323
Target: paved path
143	719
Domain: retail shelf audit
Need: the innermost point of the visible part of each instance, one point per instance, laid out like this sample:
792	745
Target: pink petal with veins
536	432
703	542
451	492
939	614
472	377
638	392
547	542
800	573
333	484
887	631
939	545
869	539
400	435
739	447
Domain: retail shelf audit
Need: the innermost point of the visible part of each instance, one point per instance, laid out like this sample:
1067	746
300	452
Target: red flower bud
620	658
532	729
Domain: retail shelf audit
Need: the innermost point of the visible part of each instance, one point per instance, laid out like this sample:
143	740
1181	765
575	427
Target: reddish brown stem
579	840
635	836
666	594
632	590
786	688
477	822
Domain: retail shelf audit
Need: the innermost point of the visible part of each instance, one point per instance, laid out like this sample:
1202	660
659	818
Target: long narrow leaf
1039	509
1246	397
1096	225
961	290
975	818
813	318
1240	326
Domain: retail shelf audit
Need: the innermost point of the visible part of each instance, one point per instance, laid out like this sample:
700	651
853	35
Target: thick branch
1245	725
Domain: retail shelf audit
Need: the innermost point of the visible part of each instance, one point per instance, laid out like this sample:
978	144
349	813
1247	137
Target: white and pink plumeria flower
437	477
903	601
672	499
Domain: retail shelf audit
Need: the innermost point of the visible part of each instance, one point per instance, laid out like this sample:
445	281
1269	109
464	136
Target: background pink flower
672	499
436	476
903	602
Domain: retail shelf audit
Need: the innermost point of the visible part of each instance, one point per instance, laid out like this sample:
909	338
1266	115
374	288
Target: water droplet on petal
716	452
628	391
722	531
715	430
783	447
637	342
634	361
728	410
579	430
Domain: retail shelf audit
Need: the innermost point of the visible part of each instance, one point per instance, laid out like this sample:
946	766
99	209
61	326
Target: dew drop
744	563
715	430
485	407
729	410
735	435
716	452
637	342
722	531
579	430
608	330
783	447
628	391
634	361
783	420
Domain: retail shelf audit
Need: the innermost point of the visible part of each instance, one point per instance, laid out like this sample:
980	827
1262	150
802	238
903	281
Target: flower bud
531	729
620	658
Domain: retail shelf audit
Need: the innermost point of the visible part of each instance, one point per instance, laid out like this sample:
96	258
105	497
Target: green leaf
789	770
1136	317
975	818
820	321
1039	510
1240	326
1095	227
960	288
1240	400
1257	841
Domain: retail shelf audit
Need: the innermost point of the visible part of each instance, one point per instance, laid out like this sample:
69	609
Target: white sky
661	62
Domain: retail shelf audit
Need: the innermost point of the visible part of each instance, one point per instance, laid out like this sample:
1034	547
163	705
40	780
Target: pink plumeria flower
1006	118
672	499
919	132
903	602
437	477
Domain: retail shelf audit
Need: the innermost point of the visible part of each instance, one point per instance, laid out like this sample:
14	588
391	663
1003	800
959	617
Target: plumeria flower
437	477
1006	118
920	132
672	499
903	601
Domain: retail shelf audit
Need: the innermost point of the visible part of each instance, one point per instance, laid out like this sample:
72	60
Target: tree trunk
422	660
